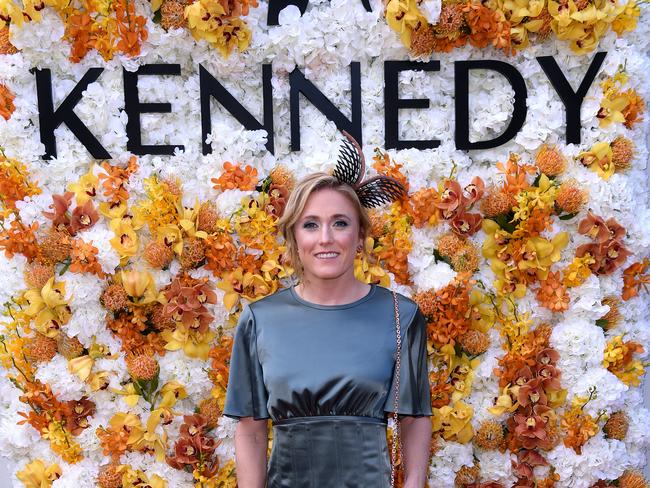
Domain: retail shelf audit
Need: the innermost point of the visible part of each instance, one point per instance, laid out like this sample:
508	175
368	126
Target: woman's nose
326	234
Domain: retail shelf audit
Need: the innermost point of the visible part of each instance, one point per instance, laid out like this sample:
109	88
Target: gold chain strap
397	444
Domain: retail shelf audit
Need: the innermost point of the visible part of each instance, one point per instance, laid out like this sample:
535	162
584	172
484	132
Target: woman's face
328	234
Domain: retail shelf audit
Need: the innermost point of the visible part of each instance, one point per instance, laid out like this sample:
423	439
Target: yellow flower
540	254
454	422
578	271
131	396
81	366
125	241
152	441
98	381
599	159
132	478
627	20
9	9
140	286
171	235
85	188
193	343
37	475
482	310
403	17
171	392
48	307
504	403
113	212
611	110
130	423
206	20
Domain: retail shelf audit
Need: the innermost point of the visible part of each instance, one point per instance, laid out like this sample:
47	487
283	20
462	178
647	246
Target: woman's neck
331	292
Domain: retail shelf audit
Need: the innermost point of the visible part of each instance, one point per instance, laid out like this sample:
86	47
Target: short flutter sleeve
246	395
414	398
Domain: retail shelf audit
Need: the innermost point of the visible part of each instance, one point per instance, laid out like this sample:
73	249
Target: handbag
397	441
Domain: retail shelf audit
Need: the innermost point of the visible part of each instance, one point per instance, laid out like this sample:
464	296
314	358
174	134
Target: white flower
65	385
431	10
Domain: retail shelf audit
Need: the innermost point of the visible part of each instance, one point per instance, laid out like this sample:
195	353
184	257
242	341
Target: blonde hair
296	205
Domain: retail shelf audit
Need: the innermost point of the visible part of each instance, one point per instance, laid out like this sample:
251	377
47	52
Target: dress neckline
341	306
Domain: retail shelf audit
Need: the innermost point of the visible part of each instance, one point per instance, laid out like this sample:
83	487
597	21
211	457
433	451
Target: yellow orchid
48	307
540	254
207	20
188	221
599	159
626	21
193	343
112	212
140	286
152	441
171	392
11	11
403	17
483	313
518	11
132	478
611	110
454	422
81	366
85	187
98	381
238	284
496	239
128	422
504	403
129	394
37	475
172	236
125	241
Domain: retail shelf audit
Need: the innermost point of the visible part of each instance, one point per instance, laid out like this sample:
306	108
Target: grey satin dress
324	375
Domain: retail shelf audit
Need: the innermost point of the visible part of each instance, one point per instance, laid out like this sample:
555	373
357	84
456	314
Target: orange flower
552	294
487	27
115	179
84	258
78	32
634	279
515	174
633	111
7	106
220	253
130	27
387	167
20	239
422	207
15	183
236	177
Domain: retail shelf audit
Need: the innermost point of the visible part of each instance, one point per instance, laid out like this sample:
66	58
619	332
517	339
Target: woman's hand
416	441
251	441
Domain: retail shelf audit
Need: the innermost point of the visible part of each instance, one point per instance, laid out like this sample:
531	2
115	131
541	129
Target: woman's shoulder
407	306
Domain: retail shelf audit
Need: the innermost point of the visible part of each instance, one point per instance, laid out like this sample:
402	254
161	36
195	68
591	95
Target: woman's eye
341	223
309	225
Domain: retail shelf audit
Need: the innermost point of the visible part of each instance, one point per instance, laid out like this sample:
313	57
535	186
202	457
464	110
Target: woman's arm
416	440
251	441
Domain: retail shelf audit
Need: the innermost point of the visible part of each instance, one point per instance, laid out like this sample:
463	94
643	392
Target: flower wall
122	279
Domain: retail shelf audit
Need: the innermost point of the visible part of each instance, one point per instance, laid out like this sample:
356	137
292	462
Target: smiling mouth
327	255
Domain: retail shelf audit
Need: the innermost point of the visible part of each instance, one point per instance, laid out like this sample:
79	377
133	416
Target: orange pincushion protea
142	367
632	479
114	297
193	252
281	176
466	259
172	15
449	244
423	40
550	161
40	348
69	347
209	409
474	342
158	254
489	436
570	197
207	218
613	316
37	273
7	106
109	476
622	153
497	202
56	246
6	47
617	426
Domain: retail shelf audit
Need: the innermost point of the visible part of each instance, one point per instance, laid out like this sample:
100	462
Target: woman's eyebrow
335	216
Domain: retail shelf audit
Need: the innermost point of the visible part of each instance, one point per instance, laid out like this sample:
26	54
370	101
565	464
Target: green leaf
568	216
157	16
66	264
137	387
505	223
601	323
439	257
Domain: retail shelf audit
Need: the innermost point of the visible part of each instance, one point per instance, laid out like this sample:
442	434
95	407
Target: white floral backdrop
322	43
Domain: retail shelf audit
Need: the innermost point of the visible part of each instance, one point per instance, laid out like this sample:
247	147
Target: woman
318	358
